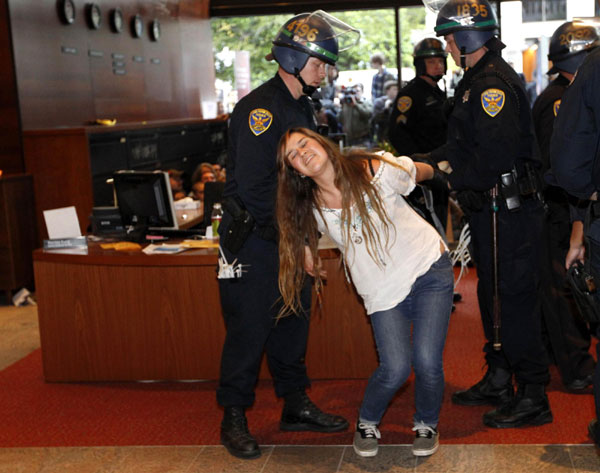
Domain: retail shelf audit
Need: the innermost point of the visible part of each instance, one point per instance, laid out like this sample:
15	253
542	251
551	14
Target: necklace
356	226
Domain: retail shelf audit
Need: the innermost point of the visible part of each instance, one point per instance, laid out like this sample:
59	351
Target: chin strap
306	89
434	78
463	57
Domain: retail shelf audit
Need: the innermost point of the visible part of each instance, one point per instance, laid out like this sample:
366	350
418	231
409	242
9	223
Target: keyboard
179	233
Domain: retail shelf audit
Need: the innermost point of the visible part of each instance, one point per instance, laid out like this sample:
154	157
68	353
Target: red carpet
34	413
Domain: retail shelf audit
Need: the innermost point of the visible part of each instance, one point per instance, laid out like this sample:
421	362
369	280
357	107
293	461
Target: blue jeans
427	310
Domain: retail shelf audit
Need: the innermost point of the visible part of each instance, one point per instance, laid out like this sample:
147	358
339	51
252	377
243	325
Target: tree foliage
254	34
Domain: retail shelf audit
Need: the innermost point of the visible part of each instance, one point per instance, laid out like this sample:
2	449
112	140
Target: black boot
495	389
529	407
235	435
301	414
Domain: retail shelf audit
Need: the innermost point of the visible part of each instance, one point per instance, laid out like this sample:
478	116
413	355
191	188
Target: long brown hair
298	197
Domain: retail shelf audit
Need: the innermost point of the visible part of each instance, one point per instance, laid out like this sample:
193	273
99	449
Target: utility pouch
239	229
509	190
584	287
529	184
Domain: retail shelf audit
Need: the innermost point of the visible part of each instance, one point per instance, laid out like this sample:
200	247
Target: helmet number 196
465	9
303	30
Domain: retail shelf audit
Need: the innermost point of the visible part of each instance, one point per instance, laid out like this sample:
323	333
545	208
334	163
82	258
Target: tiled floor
19	336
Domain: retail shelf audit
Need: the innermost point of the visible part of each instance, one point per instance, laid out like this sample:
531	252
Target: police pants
250	306
519	234
593	252
567	332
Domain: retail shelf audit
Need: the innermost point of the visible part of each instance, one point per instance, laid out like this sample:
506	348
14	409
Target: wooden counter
111	316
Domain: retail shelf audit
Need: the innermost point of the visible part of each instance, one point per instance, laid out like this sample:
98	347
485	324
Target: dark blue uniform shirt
575	144
257	123
417	122
490	129
545	109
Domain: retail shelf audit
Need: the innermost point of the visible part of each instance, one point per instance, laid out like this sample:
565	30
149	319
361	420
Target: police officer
568	334
248	266
491	140
418	123
575	162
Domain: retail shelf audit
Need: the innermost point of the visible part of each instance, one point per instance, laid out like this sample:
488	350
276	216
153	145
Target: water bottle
215	218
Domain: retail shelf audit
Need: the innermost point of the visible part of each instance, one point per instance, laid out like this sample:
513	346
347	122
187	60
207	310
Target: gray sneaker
426	441
365	439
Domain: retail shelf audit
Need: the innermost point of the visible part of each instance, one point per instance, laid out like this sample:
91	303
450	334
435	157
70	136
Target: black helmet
428	47
309	34
569	45
472	22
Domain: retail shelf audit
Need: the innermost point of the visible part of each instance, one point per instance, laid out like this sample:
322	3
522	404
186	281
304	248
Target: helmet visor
435	5
346	35
583	36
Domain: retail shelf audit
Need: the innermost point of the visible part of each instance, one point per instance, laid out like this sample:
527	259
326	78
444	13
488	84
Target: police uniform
418	125
489	133
568	334
250	303
575	160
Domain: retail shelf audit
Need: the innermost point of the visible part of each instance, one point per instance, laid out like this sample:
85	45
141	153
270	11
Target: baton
496	323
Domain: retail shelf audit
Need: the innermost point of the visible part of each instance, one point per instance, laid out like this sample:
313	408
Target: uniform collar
485	59
561	80
278	82
423	82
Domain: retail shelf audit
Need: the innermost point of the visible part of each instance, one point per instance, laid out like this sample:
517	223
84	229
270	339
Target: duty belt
595	210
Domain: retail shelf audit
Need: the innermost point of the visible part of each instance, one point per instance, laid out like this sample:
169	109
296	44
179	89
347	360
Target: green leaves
254	34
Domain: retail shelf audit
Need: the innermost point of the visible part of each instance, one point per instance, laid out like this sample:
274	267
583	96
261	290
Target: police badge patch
556	106
492	101
260	120
404	103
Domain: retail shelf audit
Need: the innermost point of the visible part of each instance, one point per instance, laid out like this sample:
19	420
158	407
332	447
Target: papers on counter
164	249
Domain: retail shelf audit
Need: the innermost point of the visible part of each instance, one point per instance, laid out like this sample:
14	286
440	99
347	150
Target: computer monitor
145	199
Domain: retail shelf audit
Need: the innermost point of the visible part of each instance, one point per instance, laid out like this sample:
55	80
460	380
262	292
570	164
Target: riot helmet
570	44
428	47
315	34
472	22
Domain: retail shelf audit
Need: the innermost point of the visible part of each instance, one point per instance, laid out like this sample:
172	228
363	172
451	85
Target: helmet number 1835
465	9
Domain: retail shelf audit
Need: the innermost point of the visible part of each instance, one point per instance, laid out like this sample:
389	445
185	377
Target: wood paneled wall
11	156
170	78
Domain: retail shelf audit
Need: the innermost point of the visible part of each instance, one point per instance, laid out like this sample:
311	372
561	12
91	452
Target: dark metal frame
271	7
225	8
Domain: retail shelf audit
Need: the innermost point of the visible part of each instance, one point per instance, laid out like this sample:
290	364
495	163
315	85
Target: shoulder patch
492	101
260	120
404	103
556	106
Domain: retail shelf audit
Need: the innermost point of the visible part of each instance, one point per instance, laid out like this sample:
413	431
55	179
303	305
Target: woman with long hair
397	261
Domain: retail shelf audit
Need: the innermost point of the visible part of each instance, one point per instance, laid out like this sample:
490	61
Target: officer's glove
424	158
439	181
470	201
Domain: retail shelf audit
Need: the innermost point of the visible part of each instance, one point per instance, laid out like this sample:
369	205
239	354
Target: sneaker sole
426	453
311	428
365	453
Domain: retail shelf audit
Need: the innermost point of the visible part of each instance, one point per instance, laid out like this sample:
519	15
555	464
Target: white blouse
413	245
